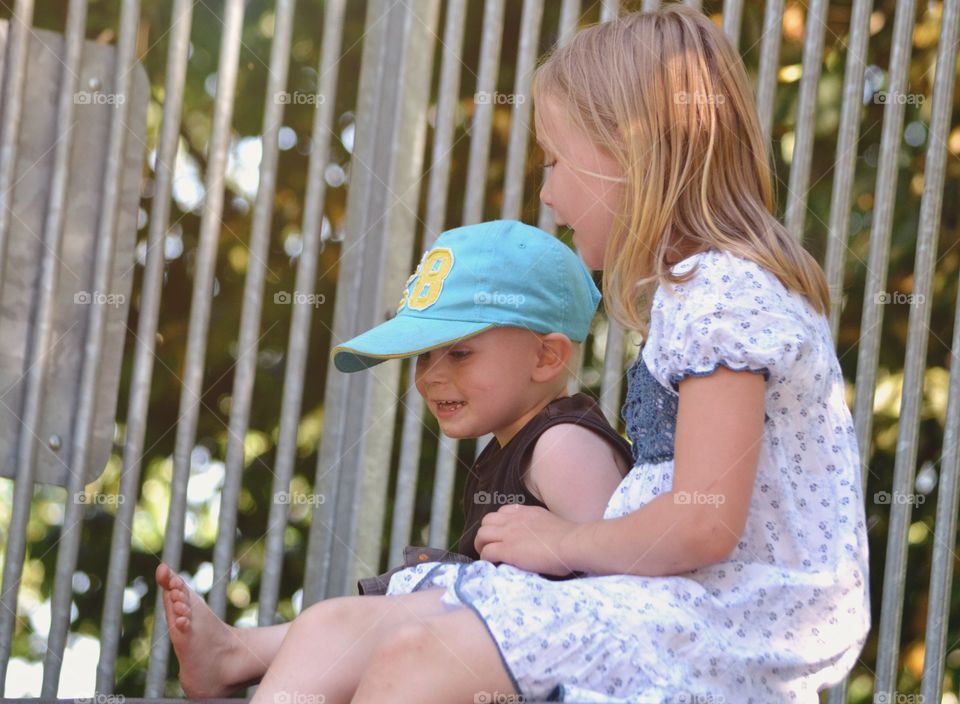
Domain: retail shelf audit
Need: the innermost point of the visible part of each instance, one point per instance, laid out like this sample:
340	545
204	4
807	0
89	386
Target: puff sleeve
732	313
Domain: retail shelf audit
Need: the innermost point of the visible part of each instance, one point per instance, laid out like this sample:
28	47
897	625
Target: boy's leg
215	658
449	658
328	646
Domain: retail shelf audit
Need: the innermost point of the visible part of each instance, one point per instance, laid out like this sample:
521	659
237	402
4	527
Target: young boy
494	314
484	300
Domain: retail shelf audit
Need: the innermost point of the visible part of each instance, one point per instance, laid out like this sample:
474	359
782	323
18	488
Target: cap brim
402	336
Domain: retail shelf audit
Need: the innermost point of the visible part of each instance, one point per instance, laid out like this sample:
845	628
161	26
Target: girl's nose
547	199
545	196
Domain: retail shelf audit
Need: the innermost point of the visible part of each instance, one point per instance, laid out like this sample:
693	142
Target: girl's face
583	185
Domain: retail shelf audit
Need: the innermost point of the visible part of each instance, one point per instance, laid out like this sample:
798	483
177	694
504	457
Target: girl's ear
552	357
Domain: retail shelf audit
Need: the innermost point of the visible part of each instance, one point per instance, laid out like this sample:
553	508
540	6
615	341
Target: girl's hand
528	537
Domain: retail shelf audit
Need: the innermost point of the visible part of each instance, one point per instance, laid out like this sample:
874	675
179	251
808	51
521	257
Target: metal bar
611	385
405	152
368	250
918	331
69	544
298	342
569	17
945	530
513	185
733	20
842	194
520	116
868	356
331	455
477	170
37	356
609	10
198	327
868	352
482	123
146	338
948	491
250	316
441	505
769	64
393	138
448	97
846	158
612	378
401	527
816	26
14	77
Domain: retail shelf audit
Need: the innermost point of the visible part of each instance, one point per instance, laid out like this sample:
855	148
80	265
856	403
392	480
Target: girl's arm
720	421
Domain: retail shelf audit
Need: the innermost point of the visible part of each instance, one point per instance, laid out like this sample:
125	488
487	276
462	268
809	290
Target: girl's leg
215	658
449	658
330	644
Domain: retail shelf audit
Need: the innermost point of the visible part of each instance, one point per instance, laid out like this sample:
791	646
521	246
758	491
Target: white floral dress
789	610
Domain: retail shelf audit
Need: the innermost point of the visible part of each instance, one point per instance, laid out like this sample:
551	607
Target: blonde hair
667	96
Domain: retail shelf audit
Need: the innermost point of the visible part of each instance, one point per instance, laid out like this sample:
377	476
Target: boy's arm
574	472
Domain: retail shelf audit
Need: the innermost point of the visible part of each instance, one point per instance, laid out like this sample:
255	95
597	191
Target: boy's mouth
445	408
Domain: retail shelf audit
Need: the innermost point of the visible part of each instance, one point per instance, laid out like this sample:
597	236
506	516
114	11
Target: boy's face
583	185
482	384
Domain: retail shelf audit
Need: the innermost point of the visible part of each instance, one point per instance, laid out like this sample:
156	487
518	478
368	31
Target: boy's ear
554	354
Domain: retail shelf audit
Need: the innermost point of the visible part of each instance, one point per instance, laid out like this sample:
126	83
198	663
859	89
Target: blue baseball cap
478	277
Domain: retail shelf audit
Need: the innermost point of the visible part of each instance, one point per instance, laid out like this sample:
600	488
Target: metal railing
401	41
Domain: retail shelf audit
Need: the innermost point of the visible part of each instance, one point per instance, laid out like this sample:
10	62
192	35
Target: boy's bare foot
205	646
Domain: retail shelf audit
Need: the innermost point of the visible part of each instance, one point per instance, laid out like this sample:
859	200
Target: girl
731	563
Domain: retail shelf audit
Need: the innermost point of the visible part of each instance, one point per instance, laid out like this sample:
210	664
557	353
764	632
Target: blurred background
285	246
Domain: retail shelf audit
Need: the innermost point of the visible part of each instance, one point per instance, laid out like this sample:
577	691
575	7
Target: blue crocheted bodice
650	413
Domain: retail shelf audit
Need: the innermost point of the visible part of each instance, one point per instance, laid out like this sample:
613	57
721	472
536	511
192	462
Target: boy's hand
528	537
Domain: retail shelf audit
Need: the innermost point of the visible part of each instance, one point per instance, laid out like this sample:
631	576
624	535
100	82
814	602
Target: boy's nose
434	372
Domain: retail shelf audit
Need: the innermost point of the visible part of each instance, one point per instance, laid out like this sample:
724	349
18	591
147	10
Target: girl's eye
550	164
459	354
